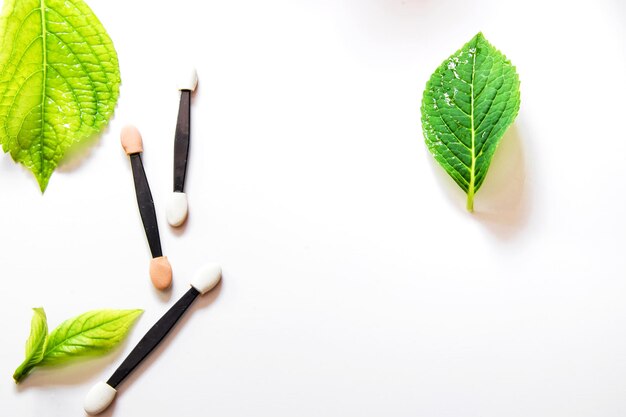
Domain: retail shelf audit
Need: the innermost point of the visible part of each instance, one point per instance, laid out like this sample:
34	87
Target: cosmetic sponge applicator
160	268
177	207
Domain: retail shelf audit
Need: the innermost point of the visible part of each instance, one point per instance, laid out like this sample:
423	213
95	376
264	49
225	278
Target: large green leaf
35	345
468	104
59	80
91	333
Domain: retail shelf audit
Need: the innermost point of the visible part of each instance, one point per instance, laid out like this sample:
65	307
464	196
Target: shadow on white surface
502	203
620	5
82	151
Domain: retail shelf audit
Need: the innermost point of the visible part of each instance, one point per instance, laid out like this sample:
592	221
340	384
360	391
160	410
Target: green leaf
468	104
90	334
35	344
59	80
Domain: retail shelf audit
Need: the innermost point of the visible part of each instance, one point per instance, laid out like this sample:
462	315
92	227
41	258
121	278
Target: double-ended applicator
102	394
177	207
160	268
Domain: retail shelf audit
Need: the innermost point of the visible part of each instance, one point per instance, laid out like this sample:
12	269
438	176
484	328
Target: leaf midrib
470	192
44	47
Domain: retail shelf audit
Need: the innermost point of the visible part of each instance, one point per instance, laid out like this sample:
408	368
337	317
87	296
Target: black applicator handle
154	336
102	394
181	141
160	268
146	205
177	207
204	281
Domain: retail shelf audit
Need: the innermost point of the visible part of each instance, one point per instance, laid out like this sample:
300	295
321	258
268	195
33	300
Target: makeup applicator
102	394
160	268
177	207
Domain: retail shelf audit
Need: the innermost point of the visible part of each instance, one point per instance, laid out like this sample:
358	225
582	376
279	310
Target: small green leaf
59	80
90	334
468	104
35	344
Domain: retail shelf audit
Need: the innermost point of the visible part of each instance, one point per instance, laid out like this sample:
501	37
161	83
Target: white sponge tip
99	397
207	278
177	209
188	79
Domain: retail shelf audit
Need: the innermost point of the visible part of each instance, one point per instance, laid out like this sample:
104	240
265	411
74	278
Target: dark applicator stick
160	268
146	205
177	207
181	141
154	336
103	393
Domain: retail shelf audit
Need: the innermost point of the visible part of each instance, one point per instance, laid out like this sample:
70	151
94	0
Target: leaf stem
470	201
21	372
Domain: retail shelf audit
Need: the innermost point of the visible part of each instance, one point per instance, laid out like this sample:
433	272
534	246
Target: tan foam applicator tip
131	140
161	273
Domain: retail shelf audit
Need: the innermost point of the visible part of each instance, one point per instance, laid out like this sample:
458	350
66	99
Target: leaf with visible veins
90	334
59	80
468	104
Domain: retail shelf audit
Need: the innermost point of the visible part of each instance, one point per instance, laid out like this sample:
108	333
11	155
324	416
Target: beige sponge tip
131	140
161	273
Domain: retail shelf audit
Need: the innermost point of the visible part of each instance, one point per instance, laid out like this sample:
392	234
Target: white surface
99	397
177	209
355	284
207	278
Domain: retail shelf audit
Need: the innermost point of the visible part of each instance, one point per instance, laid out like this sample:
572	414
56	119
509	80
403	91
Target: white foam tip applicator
187	78
177	207
99	397
102	394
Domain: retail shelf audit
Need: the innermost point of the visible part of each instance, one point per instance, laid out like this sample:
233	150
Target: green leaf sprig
59	80
468	104
90	334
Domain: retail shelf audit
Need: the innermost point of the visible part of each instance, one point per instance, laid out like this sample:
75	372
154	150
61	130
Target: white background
355	283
